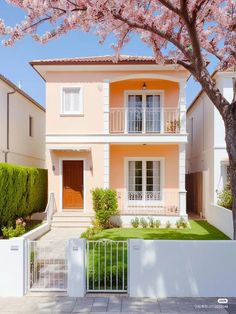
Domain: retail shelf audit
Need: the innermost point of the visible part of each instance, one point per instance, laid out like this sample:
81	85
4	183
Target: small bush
143	222
151	222
11	232
135	222
168	224
181	223
157	223
90	233
23	191
225	198
105	205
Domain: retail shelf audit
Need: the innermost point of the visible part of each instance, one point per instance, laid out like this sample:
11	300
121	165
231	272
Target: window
225	173
72	101
144	180
30	126
143	112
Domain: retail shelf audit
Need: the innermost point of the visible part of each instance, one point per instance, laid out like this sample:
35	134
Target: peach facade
88	135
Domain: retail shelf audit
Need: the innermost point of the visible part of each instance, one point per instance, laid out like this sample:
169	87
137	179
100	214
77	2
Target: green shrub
23	191
225	198
168	224
105	205
157	223
90	233
181	223
143	222
135	222
151	222
11	232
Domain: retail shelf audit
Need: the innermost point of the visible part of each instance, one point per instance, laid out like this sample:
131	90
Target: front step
72	220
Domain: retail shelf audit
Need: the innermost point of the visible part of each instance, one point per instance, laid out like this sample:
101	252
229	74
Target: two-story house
22	127
207	158
119	125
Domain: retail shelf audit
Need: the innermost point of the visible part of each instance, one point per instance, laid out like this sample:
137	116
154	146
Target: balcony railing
135	121
152	203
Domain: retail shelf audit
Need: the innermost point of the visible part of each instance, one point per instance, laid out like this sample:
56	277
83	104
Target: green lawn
200	230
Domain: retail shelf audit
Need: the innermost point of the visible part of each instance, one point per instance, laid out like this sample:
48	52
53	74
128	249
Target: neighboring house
206	153
22	127
119	125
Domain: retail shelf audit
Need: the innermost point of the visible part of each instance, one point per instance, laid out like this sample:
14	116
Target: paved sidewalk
113	304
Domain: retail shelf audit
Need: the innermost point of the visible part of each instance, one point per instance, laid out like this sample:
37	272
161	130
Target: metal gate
47	266
107	266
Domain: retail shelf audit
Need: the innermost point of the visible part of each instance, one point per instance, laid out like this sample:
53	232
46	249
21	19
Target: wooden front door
73	184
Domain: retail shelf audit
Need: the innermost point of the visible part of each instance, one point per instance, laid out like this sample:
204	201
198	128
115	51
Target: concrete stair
72	220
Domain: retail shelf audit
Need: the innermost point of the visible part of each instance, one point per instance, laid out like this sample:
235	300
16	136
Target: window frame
72	113
144	94
162	176
31	126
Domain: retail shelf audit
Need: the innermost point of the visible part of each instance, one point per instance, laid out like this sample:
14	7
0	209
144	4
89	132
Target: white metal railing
47	266
129	120
148	202
106	266
51	208
145	196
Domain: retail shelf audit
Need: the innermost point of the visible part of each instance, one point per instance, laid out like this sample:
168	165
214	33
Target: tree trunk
230	138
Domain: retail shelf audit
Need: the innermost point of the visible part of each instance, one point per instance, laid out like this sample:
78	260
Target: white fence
182	268
221	218
155	268
13	267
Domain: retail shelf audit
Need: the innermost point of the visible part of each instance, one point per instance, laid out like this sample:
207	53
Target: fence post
13	267
76	268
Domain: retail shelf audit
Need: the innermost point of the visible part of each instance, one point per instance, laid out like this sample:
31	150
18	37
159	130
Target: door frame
61	183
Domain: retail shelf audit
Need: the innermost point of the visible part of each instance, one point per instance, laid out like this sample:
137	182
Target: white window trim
162	176
224	165
61	183
75	113
160	93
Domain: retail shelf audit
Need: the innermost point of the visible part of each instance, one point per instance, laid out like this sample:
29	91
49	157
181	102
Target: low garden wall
221	218
182	268
13	268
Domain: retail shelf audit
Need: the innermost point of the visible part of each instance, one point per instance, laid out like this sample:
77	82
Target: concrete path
62	234
113	304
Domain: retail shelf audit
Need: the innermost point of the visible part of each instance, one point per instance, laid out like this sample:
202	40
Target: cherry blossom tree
184	31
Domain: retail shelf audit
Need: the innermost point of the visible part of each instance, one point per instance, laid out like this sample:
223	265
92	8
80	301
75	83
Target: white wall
182	268
12	267
23	149
221	218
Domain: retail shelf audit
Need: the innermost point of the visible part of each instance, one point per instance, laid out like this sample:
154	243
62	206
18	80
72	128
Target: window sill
71	114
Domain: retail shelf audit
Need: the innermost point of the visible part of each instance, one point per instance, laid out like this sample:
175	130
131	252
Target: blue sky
14	61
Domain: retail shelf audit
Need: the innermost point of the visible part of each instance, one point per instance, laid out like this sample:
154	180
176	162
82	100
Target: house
115	124
207	163
22	127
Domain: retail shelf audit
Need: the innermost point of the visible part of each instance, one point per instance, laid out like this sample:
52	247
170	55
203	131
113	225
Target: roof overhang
43	69
71	148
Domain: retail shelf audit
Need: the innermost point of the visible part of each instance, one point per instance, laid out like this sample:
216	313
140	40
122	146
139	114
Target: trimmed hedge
23	191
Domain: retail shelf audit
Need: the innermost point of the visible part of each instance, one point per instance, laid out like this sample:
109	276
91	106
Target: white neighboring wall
23	149
206	149
182	268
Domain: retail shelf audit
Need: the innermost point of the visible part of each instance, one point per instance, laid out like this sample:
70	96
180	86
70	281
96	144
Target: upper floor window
30	126
72	101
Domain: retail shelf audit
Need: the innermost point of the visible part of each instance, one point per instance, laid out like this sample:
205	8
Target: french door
144	180
143	113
